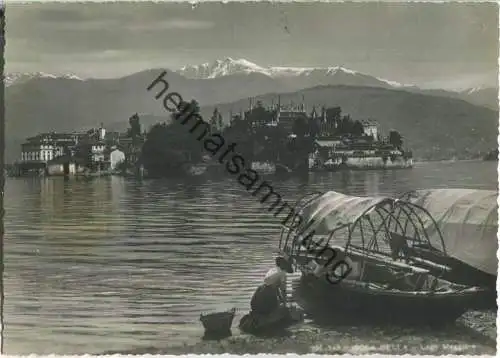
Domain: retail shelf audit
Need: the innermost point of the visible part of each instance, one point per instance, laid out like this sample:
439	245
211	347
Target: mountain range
258	79
39	102
304	77
229	66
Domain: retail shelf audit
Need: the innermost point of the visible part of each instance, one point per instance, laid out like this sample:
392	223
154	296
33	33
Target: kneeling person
271	295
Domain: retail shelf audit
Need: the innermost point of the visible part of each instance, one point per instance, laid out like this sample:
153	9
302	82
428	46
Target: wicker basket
219	322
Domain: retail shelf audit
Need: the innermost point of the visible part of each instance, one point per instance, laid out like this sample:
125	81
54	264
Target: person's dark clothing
265	300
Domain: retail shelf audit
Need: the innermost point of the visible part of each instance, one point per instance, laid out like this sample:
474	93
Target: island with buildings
276	138
323	139
95	152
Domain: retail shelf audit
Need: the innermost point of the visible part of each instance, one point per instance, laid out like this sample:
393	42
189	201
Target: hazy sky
432	45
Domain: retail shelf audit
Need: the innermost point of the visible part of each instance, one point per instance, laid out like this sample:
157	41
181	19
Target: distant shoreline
415	161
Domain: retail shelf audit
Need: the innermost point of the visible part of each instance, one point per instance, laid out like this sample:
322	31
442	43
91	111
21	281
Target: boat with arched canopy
467	221
377	261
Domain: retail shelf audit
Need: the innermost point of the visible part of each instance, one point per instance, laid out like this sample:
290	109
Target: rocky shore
481	322
473	334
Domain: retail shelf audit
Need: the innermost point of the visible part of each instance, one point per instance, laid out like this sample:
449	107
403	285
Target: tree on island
314	128
239	128
252	135
357	129
220	122
395	139
137	138
83	152
216	120
259	115
334	114
168	148
345	125
301	127
134	131
299	147
278	139
240	131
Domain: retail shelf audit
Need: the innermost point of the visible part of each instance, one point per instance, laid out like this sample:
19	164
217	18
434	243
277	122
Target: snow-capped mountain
21	77
220	68
282	79
475	89
482	95
229	66
228	79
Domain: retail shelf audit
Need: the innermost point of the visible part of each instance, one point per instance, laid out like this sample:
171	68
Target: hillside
485	97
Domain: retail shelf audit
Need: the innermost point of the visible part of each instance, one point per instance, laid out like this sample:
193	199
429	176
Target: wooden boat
467	219
377	239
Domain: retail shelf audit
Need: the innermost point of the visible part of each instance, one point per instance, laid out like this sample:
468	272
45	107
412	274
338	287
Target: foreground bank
474	334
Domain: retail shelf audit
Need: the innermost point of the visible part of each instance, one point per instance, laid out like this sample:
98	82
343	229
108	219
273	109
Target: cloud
86	25
174	24
103	55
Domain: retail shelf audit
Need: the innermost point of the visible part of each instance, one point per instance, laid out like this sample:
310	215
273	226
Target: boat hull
464	274
339	302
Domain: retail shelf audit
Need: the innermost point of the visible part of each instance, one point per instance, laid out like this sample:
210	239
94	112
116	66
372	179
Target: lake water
116	264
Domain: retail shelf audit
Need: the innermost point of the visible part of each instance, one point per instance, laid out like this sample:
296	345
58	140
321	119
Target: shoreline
473	334
416	165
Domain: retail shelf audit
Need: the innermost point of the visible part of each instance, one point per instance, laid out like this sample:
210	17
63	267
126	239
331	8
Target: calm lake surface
116	264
